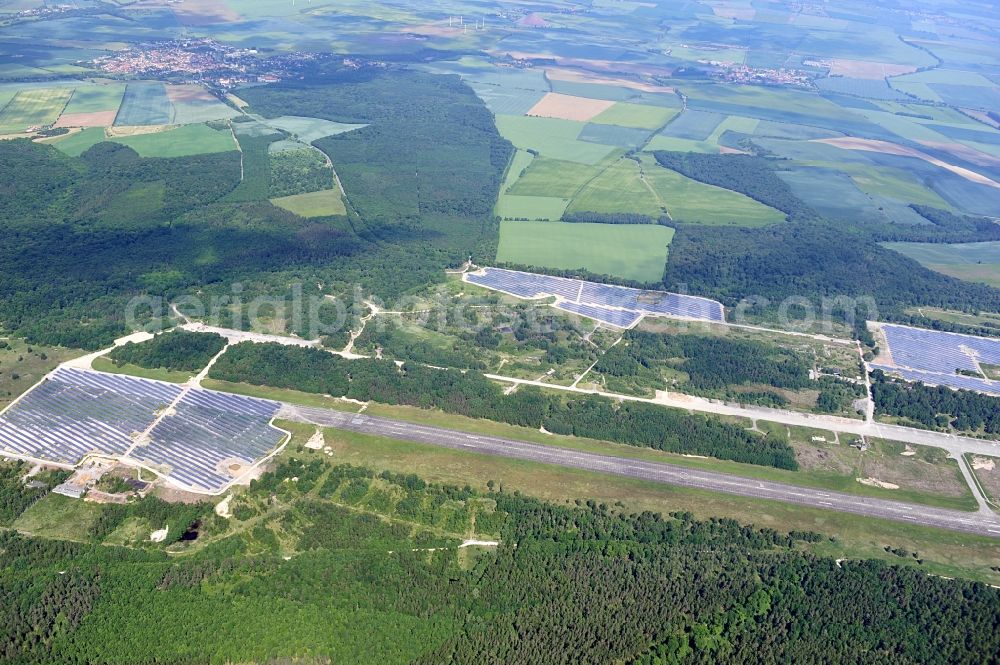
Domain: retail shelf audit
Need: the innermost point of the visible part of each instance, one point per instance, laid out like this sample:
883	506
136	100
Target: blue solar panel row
941	379
579	292
74	413
615	317
935	351
209	431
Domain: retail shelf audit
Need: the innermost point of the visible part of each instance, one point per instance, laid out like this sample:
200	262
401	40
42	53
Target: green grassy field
828	465
691	201
34	107
145	103
95	98
21	368
710	144
105	365
636	252
519	163
175	142
973	262
310	129
511	206
640	116
551	137
57	516
313	204
944	552
555	177
620	188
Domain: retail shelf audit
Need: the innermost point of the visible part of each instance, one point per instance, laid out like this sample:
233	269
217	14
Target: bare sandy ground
95	119
964	152
875	482
575	76
867	69
742	13
568	107
873	145
188	92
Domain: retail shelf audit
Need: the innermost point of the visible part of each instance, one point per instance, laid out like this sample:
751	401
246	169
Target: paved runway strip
987	524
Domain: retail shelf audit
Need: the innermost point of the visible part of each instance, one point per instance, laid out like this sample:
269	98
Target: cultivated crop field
632	251
973	262
145	103
193	104
552	137
33	108
695	202
169	142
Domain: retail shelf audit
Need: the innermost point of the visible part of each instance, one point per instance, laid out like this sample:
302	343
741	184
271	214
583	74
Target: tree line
472	394
177	350
936	407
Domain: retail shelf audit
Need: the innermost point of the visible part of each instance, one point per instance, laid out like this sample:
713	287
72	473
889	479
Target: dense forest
175	350
427	166
351	565
812	261
471	394
936	407
82	235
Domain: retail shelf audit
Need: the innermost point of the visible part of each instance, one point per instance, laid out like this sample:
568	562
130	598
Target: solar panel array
935	357
938	379
599	300
206	432
615	317
74	413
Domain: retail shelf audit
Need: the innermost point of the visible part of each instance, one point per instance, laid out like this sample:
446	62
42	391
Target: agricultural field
698	203
33	108
313	204
145	103
568	107
531	208
194	104
92	106
639	116
694	131
552	137
168	141
973	262
637	252
620	187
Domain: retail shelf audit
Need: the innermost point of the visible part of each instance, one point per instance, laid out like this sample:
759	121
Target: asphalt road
987	524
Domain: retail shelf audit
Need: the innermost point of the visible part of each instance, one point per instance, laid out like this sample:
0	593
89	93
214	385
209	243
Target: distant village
207	61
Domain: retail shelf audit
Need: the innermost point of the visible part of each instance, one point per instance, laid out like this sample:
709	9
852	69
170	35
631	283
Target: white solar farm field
936	357
202	443
617	306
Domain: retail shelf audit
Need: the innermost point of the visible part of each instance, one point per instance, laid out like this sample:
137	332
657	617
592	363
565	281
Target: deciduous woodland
364	567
